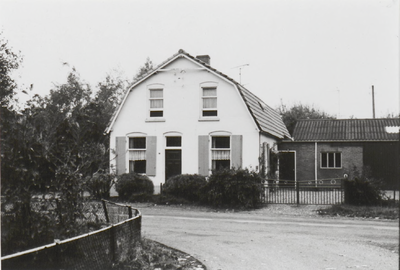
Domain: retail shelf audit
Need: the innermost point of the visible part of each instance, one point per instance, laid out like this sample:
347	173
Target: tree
147	67
9	61
298	112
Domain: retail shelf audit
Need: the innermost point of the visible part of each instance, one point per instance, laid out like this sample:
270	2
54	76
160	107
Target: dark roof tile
346	130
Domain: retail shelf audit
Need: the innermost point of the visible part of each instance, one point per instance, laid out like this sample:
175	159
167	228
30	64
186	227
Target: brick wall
352	156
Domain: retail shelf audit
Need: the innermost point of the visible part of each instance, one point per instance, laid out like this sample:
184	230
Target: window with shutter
137	155
220	152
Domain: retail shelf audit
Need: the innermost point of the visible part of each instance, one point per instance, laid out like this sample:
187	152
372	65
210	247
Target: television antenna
240	71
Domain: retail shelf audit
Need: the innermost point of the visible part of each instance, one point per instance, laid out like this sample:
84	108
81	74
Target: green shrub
185	186
363	191
99	185
236	188
129	184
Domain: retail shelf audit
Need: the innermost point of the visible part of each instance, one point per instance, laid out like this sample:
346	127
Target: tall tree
148	66
298	112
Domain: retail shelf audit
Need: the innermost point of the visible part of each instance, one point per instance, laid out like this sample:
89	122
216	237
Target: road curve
246	240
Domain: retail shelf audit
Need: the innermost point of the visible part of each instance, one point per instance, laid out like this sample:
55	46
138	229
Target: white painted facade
182	81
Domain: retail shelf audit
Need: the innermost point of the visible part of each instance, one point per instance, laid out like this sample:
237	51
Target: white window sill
155	119
208	119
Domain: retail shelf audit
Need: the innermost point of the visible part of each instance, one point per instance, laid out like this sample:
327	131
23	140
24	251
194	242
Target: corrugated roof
267	119
346	130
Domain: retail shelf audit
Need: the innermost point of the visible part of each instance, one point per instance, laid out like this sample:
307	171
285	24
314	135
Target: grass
378	212
148	254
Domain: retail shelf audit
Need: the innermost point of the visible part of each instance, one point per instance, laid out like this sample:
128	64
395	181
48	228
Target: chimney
204	58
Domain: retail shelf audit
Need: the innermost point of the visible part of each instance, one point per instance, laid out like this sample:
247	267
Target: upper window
209	97
137	154
331	160
221	152
156	103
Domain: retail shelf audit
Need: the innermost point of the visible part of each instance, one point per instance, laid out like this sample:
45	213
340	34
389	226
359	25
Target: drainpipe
316	163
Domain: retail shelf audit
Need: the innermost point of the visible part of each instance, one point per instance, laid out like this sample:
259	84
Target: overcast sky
325	53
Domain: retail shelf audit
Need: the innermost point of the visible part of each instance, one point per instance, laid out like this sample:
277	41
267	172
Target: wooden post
130	211
297	192
105	211
112	243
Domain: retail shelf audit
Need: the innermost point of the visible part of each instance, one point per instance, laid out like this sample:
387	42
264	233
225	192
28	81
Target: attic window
156	103
209	102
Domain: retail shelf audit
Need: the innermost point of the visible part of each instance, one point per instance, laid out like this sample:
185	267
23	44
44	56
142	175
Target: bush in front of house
99	185
185	186
363	191
131	186
236	188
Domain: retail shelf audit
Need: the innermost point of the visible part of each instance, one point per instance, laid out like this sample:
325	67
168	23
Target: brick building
325	149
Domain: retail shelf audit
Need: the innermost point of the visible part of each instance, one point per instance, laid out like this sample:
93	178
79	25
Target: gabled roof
267	119
346	130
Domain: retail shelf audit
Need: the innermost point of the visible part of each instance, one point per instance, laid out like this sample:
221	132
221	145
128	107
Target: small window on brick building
331	160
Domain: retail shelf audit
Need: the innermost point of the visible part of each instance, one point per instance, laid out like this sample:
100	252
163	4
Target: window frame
211	113
141	149
213	149
209	97
330	157
156	110
173	146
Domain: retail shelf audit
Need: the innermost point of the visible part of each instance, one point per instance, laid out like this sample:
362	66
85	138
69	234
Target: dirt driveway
277	237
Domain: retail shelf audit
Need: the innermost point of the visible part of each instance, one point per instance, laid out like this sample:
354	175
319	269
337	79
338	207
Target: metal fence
95	250
323	191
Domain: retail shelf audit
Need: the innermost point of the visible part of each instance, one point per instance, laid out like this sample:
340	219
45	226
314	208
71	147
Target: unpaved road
268	239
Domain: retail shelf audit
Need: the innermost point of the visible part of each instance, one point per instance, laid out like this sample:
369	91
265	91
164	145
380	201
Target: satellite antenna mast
240	71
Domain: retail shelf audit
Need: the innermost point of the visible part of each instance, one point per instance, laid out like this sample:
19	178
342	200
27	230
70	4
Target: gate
323	191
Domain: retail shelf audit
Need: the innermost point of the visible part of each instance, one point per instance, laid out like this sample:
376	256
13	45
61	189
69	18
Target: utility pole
373	102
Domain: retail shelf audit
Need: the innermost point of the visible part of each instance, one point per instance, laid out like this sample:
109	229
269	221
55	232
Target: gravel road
276	237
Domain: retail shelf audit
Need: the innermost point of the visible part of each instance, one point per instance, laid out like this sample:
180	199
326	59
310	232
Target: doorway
173	163
287	168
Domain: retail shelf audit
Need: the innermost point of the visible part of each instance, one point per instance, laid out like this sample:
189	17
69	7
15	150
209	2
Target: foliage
389	211
362	189
233	188
9	61
129	184
25	229
298	112
50	147
146	68
148	255
186	186
99	184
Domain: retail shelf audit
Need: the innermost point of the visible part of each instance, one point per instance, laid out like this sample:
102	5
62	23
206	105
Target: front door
173	163
287	169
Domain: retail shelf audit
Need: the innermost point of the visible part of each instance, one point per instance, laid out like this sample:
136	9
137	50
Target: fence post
112	243
130	211
298	192
59	211
105	211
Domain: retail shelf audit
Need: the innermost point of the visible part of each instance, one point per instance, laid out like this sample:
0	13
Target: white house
185	117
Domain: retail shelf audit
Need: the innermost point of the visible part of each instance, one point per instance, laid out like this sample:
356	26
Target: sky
326	54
